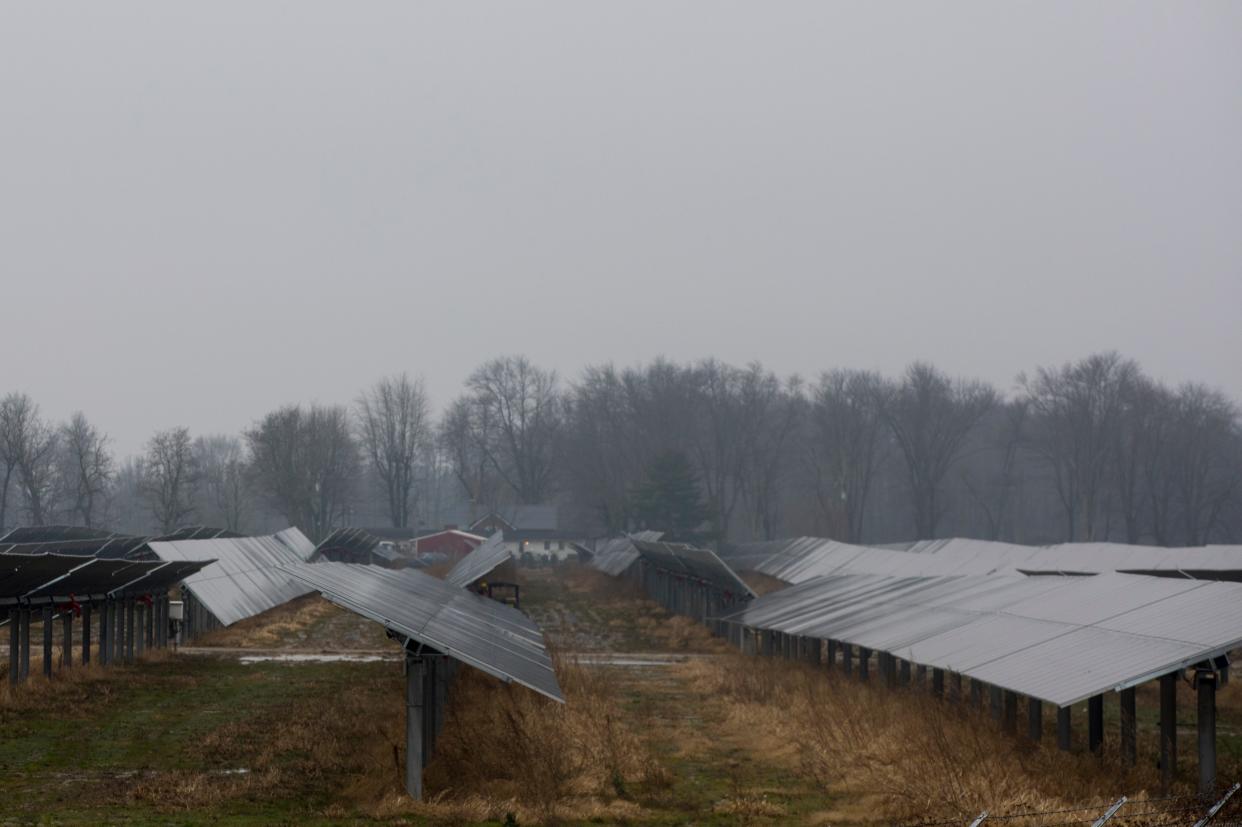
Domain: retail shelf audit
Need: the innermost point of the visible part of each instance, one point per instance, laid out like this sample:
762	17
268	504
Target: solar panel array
488	635
619	553
481	562
1059	639
799	559
355	540
247	577
695	563
53	577
93	542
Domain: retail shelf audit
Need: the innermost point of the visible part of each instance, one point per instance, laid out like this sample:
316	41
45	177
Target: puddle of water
312	658
631	662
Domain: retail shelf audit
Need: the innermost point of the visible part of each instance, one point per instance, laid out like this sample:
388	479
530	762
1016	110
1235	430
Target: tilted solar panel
481	562
490	636
246	578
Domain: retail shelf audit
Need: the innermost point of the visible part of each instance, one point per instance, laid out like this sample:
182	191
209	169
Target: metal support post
105	633
130	630
938	683
430	701
149	615
1205	687
1129	728
415	669
955	686
140	624
66	653
1065	728
864	663
47	640
15	644
1168	728
904	678
86	634
1034	719
847	658
1095	724
832	654
976	693
1010	717
996	701
24	667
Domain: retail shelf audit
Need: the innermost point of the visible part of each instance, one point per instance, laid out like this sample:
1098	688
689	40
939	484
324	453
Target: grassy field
706	737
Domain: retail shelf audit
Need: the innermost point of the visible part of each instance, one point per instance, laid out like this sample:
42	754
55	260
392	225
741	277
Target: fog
207	212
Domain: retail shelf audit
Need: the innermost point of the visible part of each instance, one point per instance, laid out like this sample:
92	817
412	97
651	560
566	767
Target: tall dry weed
548	759
915	756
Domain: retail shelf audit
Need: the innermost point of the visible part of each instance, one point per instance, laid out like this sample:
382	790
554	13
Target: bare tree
170	478
1004	432
771	414
88	468
602	458
394	419
930	417
844	440
29	448
1204	464
464	434
224	480
306	462
523	406
1077	410
11	444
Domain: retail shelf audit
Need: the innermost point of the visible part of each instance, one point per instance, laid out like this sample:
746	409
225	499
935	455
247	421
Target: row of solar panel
44	578
798	559
1059	639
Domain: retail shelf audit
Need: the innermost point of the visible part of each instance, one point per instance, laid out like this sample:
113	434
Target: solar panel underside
1060	639
247	578
490	636
54	577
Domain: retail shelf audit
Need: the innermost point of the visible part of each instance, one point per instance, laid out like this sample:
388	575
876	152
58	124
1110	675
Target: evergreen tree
668	499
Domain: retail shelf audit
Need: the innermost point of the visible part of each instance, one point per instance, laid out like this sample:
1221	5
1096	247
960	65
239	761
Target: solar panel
480	563
1057	639
696	563
798	559
246	578
47	576
483	633
619	553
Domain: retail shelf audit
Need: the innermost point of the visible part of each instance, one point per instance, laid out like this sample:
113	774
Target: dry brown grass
68	685
904	755
273	627
514	751
346	743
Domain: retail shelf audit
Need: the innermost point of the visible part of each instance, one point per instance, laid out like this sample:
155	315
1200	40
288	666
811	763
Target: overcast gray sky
211	209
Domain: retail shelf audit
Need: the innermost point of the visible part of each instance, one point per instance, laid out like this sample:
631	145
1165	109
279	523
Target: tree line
1091	450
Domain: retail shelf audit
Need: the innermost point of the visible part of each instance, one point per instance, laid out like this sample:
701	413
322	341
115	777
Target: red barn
451	542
